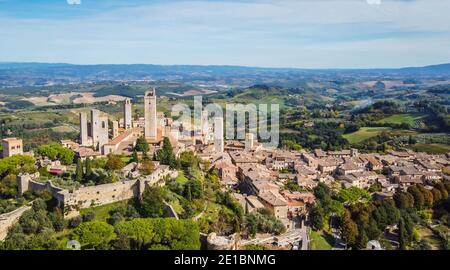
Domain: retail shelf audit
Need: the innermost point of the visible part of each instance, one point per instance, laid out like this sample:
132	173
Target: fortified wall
8	219
85	197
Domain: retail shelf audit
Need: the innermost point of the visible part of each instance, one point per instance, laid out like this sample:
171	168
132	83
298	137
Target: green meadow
364	133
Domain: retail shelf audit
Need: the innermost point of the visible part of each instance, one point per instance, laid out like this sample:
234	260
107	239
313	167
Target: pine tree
79	171
165	154
142	145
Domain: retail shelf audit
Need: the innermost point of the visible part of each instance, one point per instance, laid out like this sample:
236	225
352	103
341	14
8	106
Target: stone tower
95	126
218	135
83	129
115	129
127	114
99	129
249	141
150	130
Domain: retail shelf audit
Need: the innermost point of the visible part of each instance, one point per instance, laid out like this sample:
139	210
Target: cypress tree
134	157
188	193
88	167
79	171
402	235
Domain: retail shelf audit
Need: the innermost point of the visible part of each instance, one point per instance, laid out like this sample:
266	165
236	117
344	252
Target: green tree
427	196
134	156
114	163
152	204
142	145
419	200
441	187
147	167
16	164
165	155
188	193
353	195
437	195
56	151
402	235
193	189
57	219
93	233
189	160
8	187
79	171
349	229
88	167
404	200
373	232
362	239
392	213
317	217
140	231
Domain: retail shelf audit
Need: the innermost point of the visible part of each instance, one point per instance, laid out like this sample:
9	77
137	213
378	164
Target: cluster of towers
96	132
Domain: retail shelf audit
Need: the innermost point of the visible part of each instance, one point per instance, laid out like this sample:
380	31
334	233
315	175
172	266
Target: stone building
11	147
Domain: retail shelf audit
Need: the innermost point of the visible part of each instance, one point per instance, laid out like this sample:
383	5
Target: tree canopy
93	233
55	151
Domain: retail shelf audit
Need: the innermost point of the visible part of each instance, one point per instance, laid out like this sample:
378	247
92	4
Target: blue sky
270	33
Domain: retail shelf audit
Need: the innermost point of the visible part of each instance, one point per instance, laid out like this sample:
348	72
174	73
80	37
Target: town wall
98	195
85	197
8	219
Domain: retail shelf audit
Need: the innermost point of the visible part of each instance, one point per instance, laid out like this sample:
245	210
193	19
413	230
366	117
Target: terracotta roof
273	197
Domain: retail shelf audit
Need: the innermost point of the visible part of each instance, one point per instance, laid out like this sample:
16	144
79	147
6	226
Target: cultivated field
402	119
364	133
72	97
432	148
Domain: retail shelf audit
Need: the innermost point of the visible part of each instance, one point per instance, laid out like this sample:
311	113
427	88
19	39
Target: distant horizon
220	65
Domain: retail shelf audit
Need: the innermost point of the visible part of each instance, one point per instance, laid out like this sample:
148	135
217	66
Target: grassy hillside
432	148
364	134
402	119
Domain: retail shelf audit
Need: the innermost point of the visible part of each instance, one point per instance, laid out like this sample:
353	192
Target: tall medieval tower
150	130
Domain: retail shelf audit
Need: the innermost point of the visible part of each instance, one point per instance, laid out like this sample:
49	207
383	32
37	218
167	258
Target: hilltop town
231	194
